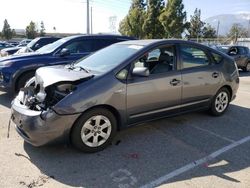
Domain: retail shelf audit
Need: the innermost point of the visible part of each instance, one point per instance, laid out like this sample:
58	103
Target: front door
158	94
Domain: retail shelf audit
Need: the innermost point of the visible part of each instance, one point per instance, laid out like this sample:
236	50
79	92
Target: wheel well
229	89
108	107
20	76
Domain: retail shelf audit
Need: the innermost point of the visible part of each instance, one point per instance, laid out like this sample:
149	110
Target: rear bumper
40	128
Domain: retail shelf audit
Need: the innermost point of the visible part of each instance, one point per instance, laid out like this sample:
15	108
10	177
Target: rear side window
193	57
217	58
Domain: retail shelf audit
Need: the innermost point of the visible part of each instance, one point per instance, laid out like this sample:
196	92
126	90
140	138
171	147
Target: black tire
76	131
214	108
21	81
247	67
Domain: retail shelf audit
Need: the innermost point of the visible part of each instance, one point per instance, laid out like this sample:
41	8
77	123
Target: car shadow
141	154
5	99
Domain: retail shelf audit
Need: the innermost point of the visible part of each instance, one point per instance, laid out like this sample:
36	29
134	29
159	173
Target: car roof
99	36
159	41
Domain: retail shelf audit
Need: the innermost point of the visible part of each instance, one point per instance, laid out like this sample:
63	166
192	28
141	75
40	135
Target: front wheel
220	102
94	130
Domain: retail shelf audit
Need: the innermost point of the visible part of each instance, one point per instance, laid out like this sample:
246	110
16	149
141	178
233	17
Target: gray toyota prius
127	83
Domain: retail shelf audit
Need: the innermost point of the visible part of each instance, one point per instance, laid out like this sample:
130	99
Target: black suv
240	54
16	70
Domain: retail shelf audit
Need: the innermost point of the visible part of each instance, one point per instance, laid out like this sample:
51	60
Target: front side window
193	57
159	60
80	46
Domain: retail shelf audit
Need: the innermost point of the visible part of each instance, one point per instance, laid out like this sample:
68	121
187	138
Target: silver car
127	83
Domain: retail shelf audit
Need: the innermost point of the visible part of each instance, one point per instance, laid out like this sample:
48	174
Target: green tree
236	31
132	24
152	26
196	25
173	19
208	31
42	29
7	32
13	32
31	30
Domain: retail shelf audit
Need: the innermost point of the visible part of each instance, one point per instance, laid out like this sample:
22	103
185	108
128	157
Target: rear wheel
220	102
94	131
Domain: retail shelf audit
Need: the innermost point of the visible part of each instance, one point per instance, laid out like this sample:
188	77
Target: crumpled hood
50	75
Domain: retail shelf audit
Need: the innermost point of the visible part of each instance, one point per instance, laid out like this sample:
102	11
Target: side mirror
36	47
140	71
64	52
233	52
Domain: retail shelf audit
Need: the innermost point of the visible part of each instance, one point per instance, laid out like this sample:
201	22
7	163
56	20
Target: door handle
174	82
215	75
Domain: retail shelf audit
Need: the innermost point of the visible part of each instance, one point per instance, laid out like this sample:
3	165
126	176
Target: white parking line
194	164
214	134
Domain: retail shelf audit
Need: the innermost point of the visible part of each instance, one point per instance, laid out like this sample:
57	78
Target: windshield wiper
73	67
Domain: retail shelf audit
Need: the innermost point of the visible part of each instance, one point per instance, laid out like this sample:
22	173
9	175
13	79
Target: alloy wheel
96	131
221	102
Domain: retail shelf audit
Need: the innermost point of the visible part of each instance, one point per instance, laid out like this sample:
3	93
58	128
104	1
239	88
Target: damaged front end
38	98
32	110
49	87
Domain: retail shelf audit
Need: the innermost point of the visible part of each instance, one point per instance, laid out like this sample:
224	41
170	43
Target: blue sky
70	15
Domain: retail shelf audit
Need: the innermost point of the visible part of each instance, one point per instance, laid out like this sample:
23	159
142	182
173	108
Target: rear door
201	78
159	94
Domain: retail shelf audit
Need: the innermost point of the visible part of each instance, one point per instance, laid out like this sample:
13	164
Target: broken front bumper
40	128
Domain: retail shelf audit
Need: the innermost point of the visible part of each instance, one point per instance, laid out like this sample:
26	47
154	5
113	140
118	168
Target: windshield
108	58
51	47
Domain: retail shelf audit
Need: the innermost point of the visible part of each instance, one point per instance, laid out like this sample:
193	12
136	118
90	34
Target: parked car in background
5	45
16	70
240	54
37	43
13	43
124	84
24	42
34	45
